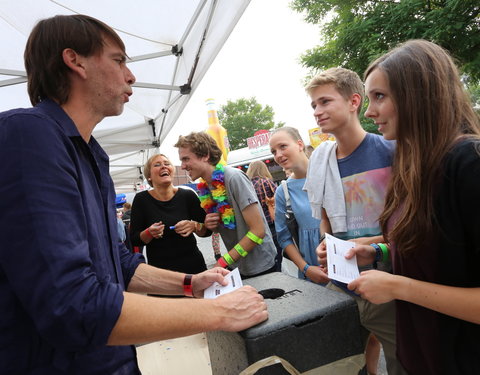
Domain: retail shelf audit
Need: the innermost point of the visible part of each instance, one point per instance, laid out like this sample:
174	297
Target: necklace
216	200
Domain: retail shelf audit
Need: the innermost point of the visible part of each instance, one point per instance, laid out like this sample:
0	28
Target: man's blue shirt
62	272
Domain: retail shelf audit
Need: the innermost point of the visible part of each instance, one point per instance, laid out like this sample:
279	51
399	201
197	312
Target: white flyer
216	290
339	268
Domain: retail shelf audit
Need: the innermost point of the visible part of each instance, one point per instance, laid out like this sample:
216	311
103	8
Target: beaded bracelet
381	253
378	253
305	270
254	238
307	266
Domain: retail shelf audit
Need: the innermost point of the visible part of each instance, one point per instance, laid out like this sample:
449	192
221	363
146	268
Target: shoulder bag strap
271	185
263	187
287	195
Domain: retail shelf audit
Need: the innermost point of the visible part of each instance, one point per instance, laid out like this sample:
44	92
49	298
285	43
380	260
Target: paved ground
205	246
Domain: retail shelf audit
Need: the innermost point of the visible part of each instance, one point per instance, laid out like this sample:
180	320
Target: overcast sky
260	59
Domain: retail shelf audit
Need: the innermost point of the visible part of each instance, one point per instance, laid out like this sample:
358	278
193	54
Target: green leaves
356	32
242	118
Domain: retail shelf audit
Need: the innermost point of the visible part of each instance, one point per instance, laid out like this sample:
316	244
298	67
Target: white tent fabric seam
171	43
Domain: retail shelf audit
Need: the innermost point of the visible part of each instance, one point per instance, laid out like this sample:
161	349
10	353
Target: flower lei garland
215	200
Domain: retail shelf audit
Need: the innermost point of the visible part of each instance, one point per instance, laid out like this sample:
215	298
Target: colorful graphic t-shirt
365	174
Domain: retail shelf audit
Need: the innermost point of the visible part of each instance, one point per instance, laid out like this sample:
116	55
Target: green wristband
228	259
254	238
240	250
384	251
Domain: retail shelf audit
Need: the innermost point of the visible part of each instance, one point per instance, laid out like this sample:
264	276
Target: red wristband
187	285
222	262
147	232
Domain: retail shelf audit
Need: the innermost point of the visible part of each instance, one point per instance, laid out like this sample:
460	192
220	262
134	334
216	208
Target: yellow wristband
254	238
240	250
228	259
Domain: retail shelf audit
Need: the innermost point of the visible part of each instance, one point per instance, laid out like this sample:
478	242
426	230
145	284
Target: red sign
261	131
259	139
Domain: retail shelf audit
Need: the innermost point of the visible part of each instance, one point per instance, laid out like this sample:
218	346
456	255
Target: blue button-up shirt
62	270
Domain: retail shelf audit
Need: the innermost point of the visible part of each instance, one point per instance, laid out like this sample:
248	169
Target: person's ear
355	101
74	61
301	145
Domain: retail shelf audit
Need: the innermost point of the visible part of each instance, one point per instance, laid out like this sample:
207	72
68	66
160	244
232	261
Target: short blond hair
346	82
147	168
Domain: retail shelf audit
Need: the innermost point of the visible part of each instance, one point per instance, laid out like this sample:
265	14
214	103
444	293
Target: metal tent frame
171	44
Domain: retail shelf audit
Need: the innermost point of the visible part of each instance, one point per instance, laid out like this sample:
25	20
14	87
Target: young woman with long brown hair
431	217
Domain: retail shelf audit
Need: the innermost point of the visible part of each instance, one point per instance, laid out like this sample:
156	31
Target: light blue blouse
308	226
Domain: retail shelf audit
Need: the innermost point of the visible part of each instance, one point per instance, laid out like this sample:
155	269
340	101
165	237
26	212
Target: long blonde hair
433	112
258	169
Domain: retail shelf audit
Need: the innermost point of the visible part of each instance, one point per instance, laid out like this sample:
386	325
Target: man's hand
185	228
212	221
241	309
202	281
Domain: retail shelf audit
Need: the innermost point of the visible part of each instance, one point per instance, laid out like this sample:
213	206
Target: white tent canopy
171	44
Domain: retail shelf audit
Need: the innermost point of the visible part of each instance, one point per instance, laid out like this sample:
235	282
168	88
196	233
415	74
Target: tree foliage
474	92
356	32
242	118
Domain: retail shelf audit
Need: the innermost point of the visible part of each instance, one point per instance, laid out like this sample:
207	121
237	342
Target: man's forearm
149	279
146	319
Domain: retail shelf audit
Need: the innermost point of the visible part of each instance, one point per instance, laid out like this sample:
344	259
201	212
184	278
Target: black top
172	251
429	342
